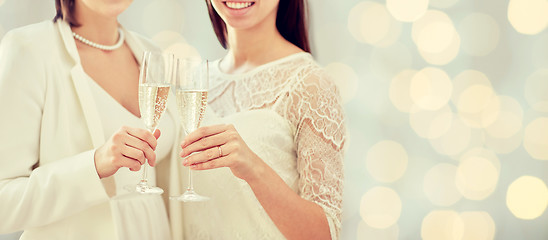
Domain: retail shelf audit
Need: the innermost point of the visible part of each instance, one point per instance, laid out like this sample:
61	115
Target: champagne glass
154	84
190	87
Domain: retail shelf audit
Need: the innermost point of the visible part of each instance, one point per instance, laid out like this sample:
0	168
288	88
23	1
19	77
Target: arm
315	212
34	194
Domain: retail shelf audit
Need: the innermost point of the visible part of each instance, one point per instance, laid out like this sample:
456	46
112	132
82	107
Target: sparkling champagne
152	103
192	105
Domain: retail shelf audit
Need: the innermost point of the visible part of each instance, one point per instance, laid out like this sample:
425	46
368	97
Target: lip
241	11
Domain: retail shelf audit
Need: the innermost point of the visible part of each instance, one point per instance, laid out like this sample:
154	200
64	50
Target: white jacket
50	129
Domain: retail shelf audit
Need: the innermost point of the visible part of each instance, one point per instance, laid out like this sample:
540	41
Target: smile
238	5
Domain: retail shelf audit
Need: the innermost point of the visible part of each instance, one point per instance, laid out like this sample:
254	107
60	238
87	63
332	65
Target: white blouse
136	216
289	113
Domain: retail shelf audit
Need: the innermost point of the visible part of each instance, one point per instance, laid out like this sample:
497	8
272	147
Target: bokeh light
430	88
369	22
439	185
399	92
478	106
407	10
479	34
380	207
536	88
475	99
535	138
345	78
436	38
486	154
478	226
445	57
464	80
476	177
386	161
527	197
446	225
509	120
455	140
431	16
431	124
366	232
528	16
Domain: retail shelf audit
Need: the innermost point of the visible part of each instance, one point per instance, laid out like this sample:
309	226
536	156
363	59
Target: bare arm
312	213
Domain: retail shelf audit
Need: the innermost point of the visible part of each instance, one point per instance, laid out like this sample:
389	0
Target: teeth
238	5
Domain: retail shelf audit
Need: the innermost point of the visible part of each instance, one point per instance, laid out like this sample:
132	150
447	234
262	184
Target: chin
113	8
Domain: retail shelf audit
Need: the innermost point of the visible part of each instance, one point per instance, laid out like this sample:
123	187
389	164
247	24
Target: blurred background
446	104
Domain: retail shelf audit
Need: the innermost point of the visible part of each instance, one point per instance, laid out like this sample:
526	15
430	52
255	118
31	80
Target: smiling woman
276	122
64	166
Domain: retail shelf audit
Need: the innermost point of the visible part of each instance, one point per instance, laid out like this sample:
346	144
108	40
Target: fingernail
185	162
183	143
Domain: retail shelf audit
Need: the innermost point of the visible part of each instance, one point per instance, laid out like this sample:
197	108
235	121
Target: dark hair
291	22
65	11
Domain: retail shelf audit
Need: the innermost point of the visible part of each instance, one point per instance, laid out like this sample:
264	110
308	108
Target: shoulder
313	78
33	35
30	43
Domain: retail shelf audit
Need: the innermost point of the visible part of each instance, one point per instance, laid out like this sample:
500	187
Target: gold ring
220	151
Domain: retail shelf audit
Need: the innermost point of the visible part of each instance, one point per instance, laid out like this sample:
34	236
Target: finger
130	163
209	154
205	143
203	132
143	135
134	153
217	163
157	133
203	156
142	146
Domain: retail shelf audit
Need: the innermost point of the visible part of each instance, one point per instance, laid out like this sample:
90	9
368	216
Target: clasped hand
220	146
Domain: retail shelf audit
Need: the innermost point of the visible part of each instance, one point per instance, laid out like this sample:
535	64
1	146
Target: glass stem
190	183
144	178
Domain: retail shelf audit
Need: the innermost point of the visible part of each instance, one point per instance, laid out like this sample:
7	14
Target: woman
72	136
283	133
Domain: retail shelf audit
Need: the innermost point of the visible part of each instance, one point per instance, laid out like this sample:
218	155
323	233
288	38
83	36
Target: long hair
291	22
65	11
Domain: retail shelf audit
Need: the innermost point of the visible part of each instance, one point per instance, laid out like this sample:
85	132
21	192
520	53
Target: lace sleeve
320	137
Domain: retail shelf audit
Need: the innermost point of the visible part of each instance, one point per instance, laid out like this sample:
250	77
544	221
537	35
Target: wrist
258	173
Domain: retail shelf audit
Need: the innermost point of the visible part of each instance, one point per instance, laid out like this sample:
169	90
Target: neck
95	27
252	47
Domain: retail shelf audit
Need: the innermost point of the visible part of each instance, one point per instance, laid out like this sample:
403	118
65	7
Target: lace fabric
305	100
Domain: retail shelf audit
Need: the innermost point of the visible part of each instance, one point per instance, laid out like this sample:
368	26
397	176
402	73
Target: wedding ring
220	151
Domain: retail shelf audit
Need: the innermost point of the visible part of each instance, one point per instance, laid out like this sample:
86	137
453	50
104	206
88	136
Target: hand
128	147
221	146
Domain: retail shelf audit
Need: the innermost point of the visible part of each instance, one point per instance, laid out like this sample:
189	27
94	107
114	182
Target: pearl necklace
100	46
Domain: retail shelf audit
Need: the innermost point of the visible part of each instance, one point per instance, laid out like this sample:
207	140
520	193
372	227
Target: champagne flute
190	87
154	84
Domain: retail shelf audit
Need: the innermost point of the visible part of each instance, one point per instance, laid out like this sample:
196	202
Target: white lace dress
289	113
